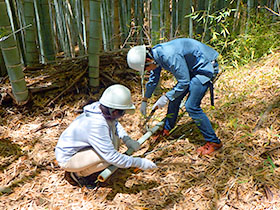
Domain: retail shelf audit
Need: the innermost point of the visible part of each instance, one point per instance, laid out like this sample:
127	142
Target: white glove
130	143
143	108
144	163
161	102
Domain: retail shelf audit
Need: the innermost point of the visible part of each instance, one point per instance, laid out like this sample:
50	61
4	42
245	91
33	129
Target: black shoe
83	181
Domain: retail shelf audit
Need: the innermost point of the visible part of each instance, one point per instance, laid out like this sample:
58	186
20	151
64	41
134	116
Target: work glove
143	108
144	164
130	143
161	102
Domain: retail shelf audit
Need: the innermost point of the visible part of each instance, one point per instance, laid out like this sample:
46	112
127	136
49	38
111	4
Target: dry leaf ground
243	175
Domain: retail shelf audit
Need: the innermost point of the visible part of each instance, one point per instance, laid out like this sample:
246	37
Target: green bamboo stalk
186	23
61	27
205	34
79	27
141	20
83	25
162	21
70	26
250	4
155	29
104	35
94	42
31	54
86	21
106	27
12	58
180	5
220	4
13	12
276	7
236	18
116	25
3	69
45	30
167	19
107	24
128	15
173	19
123	20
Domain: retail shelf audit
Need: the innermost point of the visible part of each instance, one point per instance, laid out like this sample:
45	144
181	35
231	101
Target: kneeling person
91	142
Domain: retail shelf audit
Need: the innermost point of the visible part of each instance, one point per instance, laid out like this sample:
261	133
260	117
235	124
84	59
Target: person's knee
190	108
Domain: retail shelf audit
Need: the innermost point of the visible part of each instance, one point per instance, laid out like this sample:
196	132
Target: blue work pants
196	92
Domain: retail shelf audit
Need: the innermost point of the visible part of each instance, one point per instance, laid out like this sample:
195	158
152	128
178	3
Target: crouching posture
91	142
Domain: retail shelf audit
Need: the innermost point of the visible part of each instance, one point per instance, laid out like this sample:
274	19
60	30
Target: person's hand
143	108
161	102
130	143
145	164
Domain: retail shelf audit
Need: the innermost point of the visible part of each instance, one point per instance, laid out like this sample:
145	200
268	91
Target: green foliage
268	162
3	32
261	39
228	38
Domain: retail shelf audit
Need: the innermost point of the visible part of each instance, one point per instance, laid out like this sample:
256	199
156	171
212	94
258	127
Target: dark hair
107	112
149	53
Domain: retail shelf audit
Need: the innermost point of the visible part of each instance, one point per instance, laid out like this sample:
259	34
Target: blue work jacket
184	58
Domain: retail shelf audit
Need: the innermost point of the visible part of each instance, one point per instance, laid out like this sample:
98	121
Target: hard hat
136	58
118	97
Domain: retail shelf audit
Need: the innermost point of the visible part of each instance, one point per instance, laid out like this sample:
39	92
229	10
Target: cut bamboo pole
106	173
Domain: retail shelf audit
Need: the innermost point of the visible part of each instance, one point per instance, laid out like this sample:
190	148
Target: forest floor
244	174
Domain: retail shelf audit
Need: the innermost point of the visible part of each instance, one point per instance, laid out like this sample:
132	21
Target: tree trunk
45	31
3	69
94	42
155	29
116	26
12	59
31	54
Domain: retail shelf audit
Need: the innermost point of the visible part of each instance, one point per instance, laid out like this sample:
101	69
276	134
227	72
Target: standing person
193	64
91	142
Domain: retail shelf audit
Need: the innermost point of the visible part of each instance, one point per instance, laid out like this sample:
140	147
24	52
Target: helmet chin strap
142	83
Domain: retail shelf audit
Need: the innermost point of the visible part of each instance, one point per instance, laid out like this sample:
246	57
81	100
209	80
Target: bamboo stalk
94	42
3	69
116	25
12	59
106	173
45	30
32	55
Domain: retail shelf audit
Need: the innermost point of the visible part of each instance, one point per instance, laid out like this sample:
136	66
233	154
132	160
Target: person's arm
120	130
100	140
129	142
152	83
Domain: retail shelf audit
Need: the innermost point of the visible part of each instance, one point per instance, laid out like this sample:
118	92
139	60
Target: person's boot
69	179
208	148
161	134
86	181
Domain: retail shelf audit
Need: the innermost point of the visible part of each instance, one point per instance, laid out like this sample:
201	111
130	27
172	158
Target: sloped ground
243	175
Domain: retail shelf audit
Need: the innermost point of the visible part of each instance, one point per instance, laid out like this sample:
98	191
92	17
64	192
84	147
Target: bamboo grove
43	31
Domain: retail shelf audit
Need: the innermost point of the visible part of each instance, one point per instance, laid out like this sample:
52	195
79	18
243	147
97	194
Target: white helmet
118	97
136	58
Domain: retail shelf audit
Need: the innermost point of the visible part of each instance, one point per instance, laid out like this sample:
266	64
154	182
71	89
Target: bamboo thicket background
45	31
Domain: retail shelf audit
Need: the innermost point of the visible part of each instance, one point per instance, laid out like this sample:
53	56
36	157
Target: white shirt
91	129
